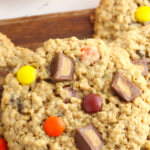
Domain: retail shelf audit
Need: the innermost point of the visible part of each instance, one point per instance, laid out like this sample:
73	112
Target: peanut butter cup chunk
125	88
142	65
88	138
62	68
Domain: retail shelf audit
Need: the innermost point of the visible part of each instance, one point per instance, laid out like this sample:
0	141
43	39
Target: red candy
3	144
92	103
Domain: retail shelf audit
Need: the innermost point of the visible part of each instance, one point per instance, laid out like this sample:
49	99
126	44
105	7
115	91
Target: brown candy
62	68
88	138
3	74
142	65
125	88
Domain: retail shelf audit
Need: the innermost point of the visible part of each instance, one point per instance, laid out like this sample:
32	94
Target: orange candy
54	126
3	144
87	51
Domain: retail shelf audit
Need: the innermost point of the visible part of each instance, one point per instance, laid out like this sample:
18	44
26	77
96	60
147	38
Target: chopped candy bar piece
71	92
3	74
88	138
125	88
62	68
142	65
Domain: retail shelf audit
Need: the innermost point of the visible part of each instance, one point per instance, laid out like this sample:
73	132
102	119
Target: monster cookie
136	43
113	17
10	56
74	104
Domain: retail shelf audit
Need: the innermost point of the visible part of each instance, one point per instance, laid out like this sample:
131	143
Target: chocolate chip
60	115
12	100
142	65
48	80
20	107
18	103
3	74
38	80
88	138
117	147
141	53
148	138
138	5
125	88
19	99
62	68
67	100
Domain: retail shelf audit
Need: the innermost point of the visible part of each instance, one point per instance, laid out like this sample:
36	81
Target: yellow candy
143	14
26	75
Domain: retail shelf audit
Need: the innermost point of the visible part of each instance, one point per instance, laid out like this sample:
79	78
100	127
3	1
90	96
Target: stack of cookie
81	94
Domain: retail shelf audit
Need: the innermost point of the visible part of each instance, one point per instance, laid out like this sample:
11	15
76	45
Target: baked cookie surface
113	17
137	44
10	56
117	125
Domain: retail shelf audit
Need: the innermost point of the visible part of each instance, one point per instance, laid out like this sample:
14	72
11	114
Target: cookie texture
137	44
113	17
122	125
10	56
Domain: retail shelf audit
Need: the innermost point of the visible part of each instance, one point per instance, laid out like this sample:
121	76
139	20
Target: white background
23	8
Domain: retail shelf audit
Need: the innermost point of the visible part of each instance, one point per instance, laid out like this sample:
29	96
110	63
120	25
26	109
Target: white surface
22	8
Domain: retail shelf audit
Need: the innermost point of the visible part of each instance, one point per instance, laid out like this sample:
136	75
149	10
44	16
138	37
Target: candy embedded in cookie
54	126
142	65
88	138
92	103
125	88
3	74
17	102
26	75
143	14
89	55
71	92
62	68
3	144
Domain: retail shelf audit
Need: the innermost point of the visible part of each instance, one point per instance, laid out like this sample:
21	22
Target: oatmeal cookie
113	17
10	56
30	110
137	44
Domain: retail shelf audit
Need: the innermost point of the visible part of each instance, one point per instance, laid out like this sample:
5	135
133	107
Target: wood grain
31	32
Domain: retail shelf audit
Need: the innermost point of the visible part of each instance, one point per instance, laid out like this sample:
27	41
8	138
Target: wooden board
31	32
